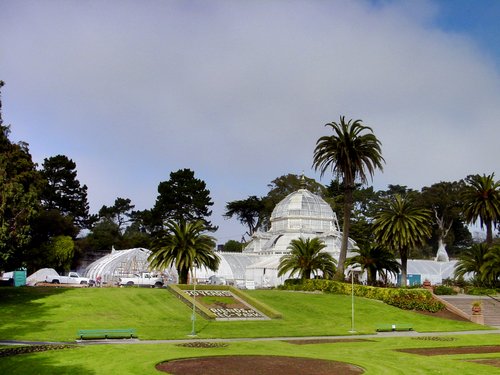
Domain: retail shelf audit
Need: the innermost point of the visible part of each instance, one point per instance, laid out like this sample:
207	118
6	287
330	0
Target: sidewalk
187	340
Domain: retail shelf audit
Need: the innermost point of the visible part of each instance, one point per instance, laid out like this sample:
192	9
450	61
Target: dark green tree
352	153
233	246
490	270
62	190
19	203
120	213
445	201
183	198
184	246
250	212
482	202
472	261
401	225
375	259
306	258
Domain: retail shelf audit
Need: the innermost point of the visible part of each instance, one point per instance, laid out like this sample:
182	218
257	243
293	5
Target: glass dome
305	211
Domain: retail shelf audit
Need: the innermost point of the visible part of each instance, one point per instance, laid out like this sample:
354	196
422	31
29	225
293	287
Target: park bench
394	327
84	334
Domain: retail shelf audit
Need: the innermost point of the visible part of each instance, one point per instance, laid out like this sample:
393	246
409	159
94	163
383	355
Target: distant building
301	214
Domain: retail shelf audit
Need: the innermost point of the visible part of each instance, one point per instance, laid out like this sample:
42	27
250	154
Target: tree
59	252
373	259
19	190
490	270
471	261
482	202
352	153
62	190
184	198
444	199
305	258
401	225
249	212
363	209
184	246
233	246
120	213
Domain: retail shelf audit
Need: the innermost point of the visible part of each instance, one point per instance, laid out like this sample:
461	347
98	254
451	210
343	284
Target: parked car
142	279
50	275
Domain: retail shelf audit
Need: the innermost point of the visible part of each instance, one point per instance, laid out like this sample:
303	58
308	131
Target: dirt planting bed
262	365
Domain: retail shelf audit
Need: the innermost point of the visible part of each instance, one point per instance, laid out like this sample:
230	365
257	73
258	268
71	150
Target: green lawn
56	314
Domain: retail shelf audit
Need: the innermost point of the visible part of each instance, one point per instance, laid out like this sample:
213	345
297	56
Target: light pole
352	301
193	316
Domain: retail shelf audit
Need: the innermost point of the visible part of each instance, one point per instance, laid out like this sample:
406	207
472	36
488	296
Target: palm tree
472	260
482	202
375	259
305	258
352	153
184	246
402	226
490	270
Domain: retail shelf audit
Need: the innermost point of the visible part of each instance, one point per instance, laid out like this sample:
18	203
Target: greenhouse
123	263
301	214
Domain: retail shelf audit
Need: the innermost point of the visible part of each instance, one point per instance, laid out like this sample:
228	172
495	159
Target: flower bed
224	304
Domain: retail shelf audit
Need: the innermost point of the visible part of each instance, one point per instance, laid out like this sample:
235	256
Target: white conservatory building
300	214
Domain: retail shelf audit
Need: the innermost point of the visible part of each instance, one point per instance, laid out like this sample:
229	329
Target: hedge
407	299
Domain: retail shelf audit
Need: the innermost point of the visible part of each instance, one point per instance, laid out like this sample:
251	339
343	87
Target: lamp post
352	301
193	316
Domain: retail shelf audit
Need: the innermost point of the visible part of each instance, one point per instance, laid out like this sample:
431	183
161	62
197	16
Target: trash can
20	277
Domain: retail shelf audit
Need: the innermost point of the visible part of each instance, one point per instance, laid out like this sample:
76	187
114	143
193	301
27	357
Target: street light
352	301
193	316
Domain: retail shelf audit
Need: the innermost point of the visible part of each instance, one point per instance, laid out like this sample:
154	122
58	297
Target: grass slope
56	314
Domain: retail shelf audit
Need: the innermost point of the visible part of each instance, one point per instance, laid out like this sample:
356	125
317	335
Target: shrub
403	298
443	290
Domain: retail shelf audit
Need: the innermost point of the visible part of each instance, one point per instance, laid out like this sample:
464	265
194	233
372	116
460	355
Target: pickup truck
71	278
142	279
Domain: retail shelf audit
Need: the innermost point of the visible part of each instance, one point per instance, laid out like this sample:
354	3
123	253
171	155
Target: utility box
20	277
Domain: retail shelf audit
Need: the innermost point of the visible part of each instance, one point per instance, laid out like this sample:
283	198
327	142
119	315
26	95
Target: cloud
239	91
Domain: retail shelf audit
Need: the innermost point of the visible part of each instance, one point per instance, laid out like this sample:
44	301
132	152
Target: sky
239	91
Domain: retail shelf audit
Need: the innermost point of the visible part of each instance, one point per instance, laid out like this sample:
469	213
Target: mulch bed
491	362
262	365
453	350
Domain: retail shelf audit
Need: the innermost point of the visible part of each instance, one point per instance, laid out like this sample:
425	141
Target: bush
477	291
443	290
403	298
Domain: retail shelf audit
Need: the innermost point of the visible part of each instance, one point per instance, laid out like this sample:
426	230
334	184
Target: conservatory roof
303	203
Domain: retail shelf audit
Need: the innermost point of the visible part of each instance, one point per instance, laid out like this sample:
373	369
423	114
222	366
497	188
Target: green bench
85	334
394	327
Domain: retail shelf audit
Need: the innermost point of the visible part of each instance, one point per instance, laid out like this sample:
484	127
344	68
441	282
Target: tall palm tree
352	153
184	246
401	225
305	258
375	259
482	202
472	260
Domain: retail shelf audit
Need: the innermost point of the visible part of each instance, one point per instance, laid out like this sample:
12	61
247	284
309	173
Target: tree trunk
404	262
183	276
489	233
339	275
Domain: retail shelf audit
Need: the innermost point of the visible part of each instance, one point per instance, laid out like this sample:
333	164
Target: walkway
193	339
490	307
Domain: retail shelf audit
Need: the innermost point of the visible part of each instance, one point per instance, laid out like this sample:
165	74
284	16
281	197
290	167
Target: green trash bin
20	277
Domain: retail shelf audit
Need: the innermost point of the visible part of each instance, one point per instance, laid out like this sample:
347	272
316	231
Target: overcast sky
239	91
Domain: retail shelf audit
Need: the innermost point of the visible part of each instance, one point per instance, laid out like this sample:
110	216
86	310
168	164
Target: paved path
193	339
